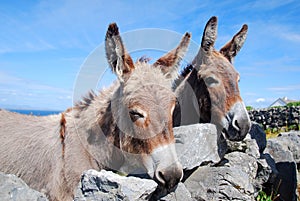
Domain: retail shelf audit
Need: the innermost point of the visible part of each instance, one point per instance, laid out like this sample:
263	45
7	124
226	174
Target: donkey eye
134	115
210	81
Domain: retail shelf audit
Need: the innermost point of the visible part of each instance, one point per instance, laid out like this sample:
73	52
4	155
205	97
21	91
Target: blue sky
43	44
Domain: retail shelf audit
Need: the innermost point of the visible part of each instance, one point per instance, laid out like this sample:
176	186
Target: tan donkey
129	124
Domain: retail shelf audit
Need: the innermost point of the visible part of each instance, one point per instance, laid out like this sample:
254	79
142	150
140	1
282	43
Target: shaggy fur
133	117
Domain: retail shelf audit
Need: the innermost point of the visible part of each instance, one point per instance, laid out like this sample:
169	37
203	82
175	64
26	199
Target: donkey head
143	106
216	70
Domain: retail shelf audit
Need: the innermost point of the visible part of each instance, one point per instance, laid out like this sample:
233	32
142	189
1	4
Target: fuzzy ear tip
213	19
113	29
188	35
245	27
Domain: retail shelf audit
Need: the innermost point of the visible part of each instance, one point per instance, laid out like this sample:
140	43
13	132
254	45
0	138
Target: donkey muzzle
169	176
239	122
168	172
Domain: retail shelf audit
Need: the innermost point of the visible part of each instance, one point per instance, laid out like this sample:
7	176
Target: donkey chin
237	123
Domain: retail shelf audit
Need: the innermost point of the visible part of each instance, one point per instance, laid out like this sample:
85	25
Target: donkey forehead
218	65
226	73
147	83
147	76
151	96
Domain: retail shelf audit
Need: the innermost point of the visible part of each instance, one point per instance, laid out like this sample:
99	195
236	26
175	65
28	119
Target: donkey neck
193	101
202	95
94	115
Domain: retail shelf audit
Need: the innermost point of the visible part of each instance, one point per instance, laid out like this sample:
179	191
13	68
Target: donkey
209	92
126	127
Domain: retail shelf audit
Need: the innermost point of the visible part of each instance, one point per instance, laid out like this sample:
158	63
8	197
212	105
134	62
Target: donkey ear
117	57
208	40
209	35
231	49
169	62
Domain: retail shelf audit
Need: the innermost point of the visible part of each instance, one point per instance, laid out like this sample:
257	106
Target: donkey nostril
236	125
169	177
160	177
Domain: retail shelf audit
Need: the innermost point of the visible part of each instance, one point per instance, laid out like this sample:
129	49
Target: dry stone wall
280	118
248	166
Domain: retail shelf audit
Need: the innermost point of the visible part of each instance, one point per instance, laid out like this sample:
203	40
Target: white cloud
260	100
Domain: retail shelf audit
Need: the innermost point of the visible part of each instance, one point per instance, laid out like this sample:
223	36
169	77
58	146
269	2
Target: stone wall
280	118
248	166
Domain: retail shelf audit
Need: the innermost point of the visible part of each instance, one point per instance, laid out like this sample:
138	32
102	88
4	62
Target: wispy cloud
285	88
5	78
21	83
19	91
293	37
250	94
283	31
269	5
20	36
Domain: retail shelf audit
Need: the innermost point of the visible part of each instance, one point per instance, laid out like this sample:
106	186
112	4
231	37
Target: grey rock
258	134
285	150
220	183
181	193
271	166
258	170
13	188
247	145
278	151
242	161
240	146
106	185
196	144
252	148
264	172
290	141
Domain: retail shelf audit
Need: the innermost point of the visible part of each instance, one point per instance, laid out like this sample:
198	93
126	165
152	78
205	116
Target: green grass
271	133
293	104
248	108
262	196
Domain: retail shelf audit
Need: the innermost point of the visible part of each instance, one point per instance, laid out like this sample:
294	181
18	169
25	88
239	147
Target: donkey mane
86	100
186	70
143	59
